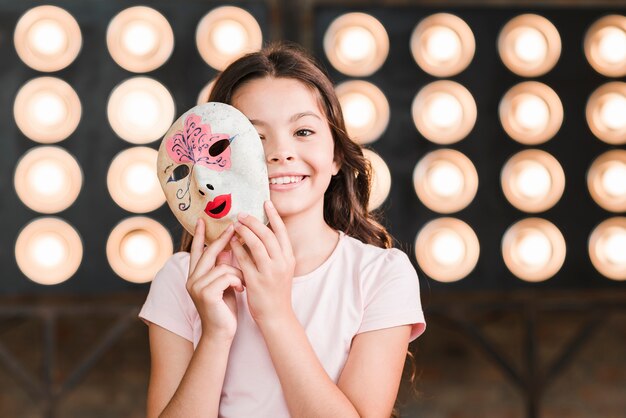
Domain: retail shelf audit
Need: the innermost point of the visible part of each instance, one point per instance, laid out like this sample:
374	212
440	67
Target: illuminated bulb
139	38
381	179
138	248
446	179
358	109
140	178
443	44
534	249
615	247
613	112
47	178
534	180
530	45
48	109
140	108
445	111
356	43
532	113
229	37
448	248
612	45
48	250
614	180
47	37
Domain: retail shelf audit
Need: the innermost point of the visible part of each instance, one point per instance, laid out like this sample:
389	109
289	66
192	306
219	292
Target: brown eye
179	173
219	147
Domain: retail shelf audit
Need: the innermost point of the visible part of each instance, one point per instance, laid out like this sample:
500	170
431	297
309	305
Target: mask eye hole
219	147
179	173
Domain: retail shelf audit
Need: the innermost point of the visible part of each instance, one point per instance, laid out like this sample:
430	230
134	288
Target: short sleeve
168	304
392	296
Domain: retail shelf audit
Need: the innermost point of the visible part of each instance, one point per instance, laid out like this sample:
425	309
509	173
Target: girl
308	316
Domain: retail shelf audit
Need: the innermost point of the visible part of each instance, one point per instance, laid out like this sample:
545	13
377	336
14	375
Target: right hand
211	283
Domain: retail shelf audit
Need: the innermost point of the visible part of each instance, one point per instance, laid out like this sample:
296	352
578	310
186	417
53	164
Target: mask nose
203	183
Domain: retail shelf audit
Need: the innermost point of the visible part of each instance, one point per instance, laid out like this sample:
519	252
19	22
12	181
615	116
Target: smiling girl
309	316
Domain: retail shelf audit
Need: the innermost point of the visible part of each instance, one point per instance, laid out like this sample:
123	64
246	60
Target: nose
202	181
279	150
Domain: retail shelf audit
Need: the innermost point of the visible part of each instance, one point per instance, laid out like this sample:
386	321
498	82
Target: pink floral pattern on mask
196	144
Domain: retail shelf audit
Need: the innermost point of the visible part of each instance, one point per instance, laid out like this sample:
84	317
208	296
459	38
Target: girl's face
298	143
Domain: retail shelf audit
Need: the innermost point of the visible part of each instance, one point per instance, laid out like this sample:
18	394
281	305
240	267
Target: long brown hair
345	200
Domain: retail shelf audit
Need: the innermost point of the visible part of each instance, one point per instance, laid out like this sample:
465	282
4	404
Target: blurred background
496	130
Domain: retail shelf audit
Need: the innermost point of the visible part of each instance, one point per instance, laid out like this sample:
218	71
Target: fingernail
242	215
270	204
230	228
234	238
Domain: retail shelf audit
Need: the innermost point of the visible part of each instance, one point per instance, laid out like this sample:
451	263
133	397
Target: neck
312	239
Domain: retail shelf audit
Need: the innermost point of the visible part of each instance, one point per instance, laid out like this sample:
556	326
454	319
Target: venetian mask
211	165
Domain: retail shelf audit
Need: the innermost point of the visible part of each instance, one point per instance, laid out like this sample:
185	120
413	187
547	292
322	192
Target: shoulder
174	272
375	260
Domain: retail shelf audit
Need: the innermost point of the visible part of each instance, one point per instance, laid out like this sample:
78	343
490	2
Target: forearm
198	394
308	389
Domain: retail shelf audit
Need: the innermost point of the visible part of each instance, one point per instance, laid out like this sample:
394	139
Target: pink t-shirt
359	288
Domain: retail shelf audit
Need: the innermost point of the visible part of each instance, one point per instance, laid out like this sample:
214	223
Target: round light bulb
534	180
446	179
614	180
47	37
530	45
49	250
534	249
448	248
532	113
138	248
139	38
356	44
613	112
140	178
612	45
445	111
47	178
443	44
359	110
229	37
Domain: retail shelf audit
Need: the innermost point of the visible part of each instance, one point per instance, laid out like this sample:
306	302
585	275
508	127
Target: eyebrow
292	119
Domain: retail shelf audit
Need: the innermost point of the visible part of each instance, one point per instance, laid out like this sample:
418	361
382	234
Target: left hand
269	266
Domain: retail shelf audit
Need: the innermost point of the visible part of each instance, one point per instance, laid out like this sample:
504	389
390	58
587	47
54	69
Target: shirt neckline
311	274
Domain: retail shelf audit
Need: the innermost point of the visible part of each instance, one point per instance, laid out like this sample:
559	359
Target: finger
243	258
278	226
209	256
197	246
216	272
255	245
224	282
265	234
224	257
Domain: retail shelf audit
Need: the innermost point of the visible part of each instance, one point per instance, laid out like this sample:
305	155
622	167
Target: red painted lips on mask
218	207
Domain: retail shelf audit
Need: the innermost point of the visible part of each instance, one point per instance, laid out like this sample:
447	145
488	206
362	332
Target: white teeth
286	179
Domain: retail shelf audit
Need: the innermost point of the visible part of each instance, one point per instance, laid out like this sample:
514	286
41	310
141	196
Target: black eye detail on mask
219	147
179	173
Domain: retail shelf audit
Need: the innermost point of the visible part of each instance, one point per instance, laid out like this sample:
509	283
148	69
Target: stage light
381	179
47	110
356	44
204	94
137	248
445	181
529	45
48	179
140	39
132	180
140	110
607	248
442	45
533	249
532	180
531	113
606	180
444	112
447	249
365	110
47	38
605	46
226	33
606	110
48	250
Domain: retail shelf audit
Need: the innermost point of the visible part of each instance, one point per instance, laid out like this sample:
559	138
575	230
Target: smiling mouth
218	207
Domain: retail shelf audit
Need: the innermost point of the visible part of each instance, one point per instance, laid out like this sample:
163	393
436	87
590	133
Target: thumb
224	257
